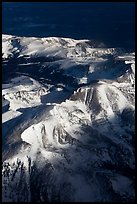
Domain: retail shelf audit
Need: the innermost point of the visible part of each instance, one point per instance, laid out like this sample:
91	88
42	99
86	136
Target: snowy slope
55	55
49	46
69	143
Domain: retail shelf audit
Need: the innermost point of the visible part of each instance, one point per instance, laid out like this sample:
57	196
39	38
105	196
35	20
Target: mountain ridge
68	134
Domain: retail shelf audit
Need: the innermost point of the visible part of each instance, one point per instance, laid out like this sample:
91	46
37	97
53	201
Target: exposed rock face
5	105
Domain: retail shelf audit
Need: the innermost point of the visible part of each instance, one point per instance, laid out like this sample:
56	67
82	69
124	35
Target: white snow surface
23	92
76	135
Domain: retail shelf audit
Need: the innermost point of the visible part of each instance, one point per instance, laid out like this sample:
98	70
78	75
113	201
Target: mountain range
68	114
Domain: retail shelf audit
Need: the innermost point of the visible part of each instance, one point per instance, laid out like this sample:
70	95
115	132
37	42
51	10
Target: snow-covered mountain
68	121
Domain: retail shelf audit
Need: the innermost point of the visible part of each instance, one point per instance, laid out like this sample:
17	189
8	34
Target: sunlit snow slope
68	121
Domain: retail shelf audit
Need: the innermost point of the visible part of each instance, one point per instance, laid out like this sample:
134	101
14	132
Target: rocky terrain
68	121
